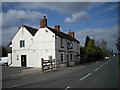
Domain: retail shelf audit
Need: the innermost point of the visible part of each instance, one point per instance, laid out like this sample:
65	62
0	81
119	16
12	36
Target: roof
63	35
31	29
58	33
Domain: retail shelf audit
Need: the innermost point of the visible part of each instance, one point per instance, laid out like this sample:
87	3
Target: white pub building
29	45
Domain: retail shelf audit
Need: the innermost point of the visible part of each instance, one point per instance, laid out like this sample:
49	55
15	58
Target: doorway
23	61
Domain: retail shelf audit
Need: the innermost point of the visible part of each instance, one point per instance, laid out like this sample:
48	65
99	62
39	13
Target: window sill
63	62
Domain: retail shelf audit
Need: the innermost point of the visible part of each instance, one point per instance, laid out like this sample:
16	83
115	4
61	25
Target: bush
3	51
91	52
99	54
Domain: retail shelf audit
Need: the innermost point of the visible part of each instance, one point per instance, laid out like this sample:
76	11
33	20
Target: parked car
107	58
4	61
114	55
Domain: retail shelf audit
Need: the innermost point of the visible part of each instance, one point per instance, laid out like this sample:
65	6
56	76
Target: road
100	74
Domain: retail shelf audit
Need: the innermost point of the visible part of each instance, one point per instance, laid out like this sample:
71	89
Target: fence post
42	68
51	64
55	63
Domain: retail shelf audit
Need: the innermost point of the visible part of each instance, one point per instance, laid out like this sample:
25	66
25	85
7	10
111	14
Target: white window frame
61	42
70	56
22	43
62	57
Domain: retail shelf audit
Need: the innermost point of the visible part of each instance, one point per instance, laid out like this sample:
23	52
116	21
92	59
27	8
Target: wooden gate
47	65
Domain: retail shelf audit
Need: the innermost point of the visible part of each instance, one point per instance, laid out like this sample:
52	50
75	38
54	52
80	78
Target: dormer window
22	43
46	30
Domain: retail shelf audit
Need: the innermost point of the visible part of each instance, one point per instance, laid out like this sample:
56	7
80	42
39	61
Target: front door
23	60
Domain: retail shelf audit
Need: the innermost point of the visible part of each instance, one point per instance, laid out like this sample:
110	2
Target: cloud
31	10
76	17
111	7
108	34
14	16
0	23
7	34
0	15
60	0
11	18
109	20
62	7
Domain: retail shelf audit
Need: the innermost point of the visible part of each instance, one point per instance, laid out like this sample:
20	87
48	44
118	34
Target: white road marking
96	69
105	63
67	88
97	62
85	76
109	60
101	66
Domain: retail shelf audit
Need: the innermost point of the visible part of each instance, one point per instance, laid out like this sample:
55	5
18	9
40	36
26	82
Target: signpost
69	46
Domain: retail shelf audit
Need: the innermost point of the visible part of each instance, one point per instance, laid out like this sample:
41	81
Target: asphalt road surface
100	74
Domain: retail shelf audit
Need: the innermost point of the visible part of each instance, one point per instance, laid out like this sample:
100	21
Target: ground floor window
71	57
61	57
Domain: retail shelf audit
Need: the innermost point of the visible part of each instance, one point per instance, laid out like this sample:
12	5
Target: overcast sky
99	20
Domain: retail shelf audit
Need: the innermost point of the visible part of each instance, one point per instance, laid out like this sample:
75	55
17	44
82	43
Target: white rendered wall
44	43
31	56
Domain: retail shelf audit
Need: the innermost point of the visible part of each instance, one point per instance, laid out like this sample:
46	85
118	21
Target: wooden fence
48	64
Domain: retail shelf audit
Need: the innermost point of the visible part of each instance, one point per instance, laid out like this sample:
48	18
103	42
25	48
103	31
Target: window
62	43
71	57
17	57
46	30
22	43
61	57
77	46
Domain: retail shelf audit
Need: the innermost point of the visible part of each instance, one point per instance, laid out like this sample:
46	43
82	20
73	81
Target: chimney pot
44	16
57	27
71	34
43	22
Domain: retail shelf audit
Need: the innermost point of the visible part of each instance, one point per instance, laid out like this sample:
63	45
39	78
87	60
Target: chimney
71	34
43	22
57	27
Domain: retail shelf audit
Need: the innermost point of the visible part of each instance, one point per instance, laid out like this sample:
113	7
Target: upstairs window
22	43
77	46
61	43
